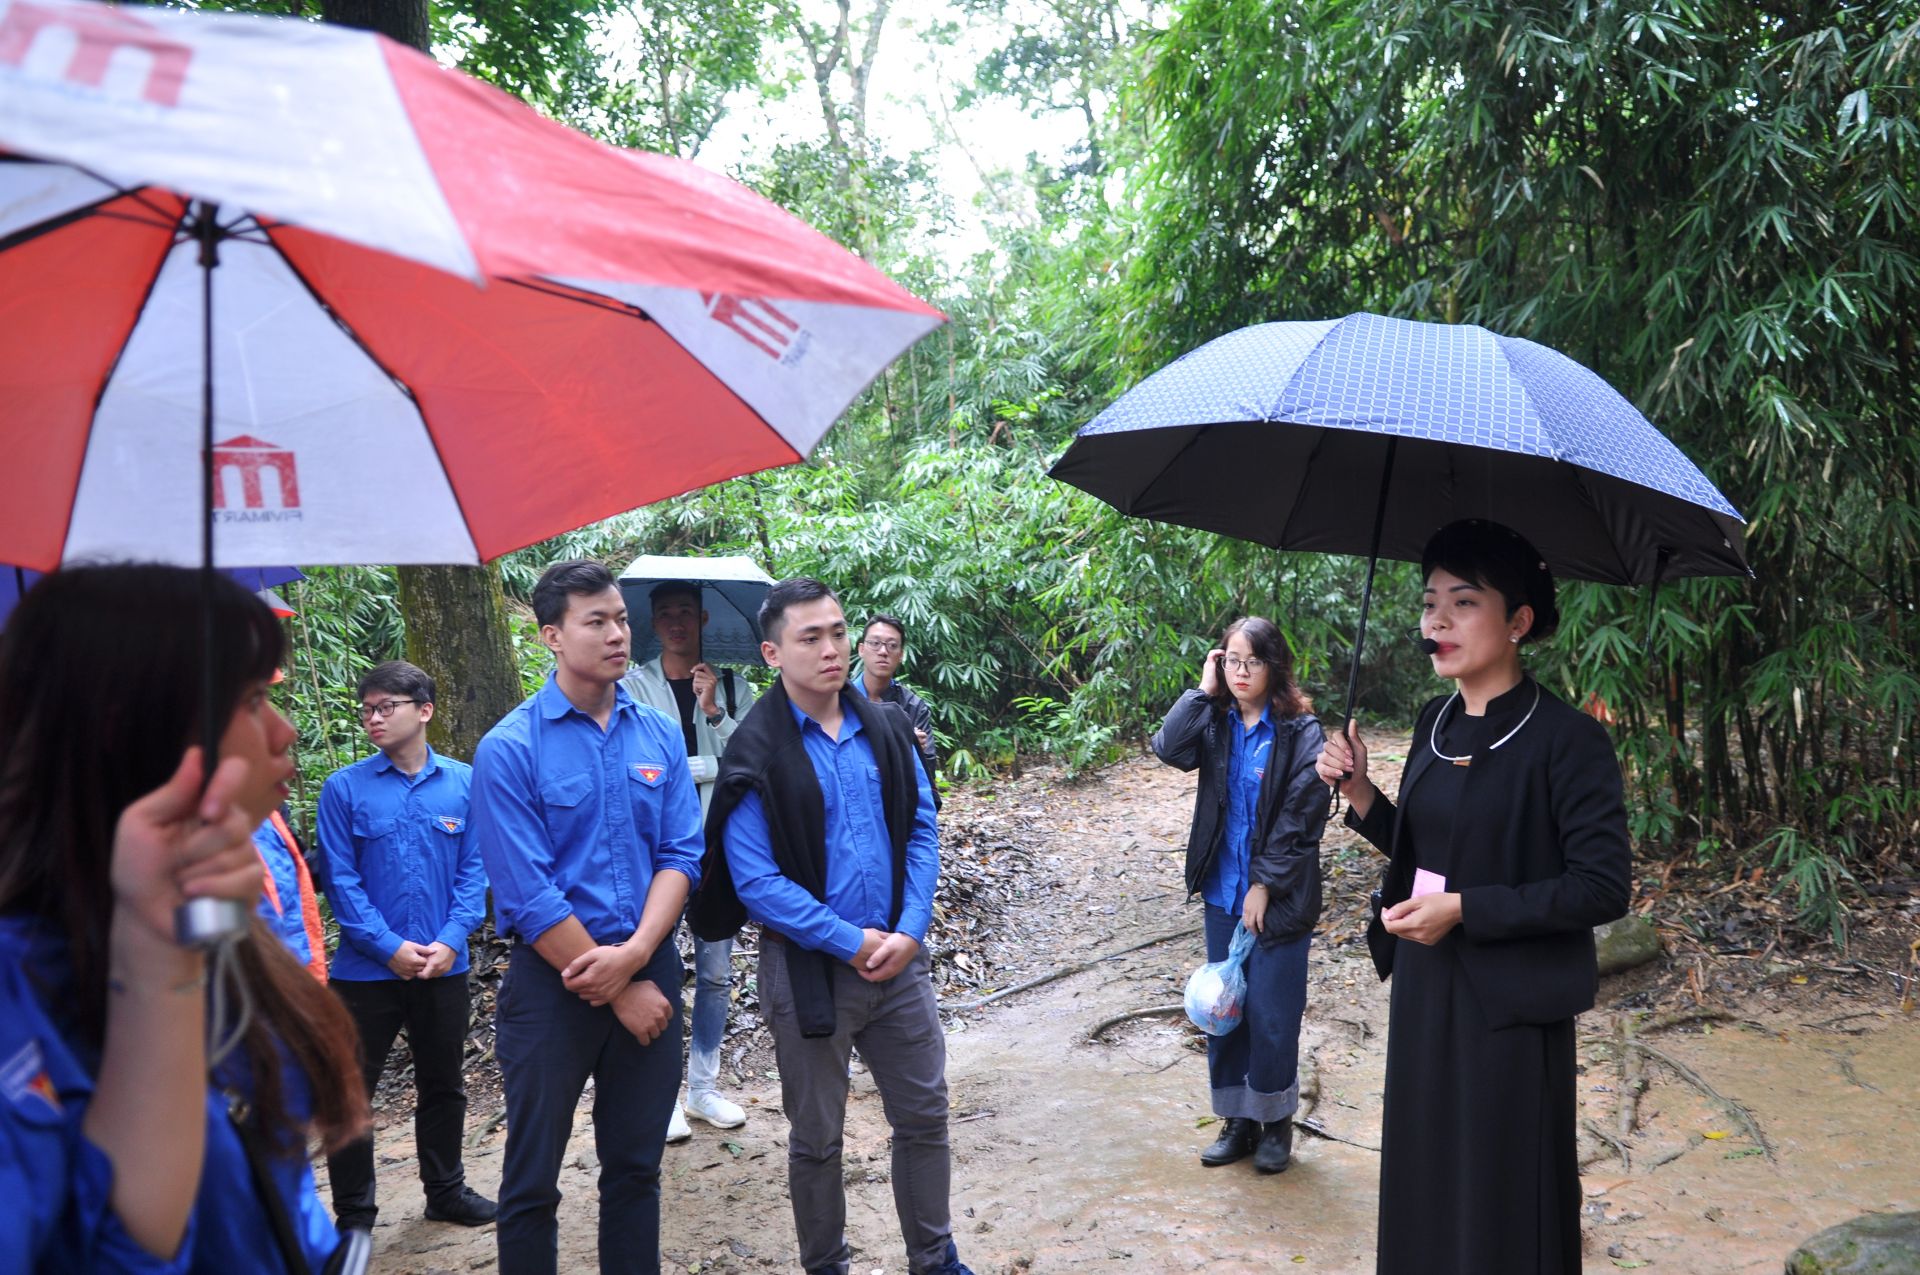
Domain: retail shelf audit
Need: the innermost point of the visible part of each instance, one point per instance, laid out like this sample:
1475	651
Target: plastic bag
1217	991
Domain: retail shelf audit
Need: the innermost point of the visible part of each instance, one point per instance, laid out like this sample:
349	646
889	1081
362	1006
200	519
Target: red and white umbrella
440	326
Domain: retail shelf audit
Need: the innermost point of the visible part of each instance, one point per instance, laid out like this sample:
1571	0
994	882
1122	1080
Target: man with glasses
882	650
407	887
708	703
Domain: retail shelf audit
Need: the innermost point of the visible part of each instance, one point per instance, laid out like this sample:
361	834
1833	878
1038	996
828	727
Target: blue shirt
57	1184
575	821
399	865
287	921
859	851
1248	752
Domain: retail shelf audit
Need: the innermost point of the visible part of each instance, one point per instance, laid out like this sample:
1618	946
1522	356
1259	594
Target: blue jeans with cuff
1254	1070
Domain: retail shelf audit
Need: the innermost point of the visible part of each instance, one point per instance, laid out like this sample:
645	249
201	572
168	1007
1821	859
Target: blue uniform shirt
1226	883
859	852
575	821
287	921
398	862
58	1185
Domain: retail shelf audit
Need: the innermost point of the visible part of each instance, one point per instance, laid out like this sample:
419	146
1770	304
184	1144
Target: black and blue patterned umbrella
1365	435
730	589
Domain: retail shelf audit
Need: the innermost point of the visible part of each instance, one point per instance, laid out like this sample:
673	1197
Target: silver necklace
1433	733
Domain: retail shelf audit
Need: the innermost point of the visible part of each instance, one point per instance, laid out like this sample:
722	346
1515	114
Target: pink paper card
1425	882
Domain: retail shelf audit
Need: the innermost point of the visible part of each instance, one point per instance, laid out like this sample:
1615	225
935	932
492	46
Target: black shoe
1276	1147
465	1207
1236	1141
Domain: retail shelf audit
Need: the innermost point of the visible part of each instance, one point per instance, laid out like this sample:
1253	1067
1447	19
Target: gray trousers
897	1027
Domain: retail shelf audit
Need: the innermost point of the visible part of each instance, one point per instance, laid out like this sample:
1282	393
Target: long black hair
101	690
1269	646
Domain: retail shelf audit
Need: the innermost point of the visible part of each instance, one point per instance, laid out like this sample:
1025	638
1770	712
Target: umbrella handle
206	923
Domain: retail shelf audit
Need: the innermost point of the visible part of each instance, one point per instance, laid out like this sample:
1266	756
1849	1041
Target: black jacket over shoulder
765	755
1288	820
1539	856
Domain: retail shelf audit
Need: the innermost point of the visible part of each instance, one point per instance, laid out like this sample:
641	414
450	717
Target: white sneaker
678	1130
708	1105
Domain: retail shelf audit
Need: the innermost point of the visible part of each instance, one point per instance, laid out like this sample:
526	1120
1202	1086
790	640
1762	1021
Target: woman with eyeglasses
1507	844
123	1145
1254	857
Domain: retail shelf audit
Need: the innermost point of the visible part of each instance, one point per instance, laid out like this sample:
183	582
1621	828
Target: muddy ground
1071	1155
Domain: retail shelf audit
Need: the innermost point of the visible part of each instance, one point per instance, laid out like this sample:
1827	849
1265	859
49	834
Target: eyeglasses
883	645
1238	665
383	709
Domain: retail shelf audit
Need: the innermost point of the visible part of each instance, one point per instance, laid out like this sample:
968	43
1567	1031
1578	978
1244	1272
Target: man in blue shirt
407	888
832	848
587	819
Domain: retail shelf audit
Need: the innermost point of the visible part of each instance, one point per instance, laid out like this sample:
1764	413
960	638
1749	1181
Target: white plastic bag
1217	991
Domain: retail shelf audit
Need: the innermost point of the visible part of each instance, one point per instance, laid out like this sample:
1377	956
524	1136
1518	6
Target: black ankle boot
1276	1147
1236	1142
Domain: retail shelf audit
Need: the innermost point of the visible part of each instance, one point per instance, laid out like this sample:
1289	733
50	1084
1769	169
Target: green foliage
653	74
346	620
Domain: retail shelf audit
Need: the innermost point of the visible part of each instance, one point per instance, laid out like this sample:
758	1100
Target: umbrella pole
1366	595
205	922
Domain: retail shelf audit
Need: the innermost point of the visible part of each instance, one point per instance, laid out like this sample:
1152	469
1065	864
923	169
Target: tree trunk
402	20
456	617
457	631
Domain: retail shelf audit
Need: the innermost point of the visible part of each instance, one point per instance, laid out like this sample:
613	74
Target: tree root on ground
1726	1104
1625	1042
1152	1011
1319	1130
486	1127
1066	971
1619	1147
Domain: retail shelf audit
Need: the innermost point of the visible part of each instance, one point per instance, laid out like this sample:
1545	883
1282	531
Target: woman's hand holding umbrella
1343	764
177	843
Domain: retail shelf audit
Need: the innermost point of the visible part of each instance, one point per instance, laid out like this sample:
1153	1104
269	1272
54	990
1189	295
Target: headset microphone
1428	646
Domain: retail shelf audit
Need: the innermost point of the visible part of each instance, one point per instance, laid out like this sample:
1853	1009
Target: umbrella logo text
250	457
765	326
97	36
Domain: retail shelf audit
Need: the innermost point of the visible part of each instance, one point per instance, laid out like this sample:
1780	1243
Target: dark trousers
1254	1070
549	1042
435	1012
896	1024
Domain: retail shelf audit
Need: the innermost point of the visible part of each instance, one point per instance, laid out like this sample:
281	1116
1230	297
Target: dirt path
1074	1156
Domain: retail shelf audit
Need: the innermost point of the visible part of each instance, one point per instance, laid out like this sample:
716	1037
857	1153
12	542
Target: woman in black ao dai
1508	845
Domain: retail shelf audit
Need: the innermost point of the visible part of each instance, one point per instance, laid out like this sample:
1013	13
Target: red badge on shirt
448	822
24	1077
649	771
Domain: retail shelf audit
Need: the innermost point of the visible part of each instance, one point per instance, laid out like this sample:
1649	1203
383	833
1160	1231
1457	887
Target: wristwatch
714	719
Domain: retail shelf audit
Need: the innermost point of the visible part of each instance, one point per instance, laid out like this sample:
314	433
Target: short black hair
674	589
789	593
397	677
890	622
1497	557
581	577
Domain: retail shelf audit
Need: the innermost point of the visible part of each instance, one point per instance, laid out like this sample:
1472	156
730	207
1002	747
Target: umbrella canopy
432	325
1365	435
731	590
1326	427
15	581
